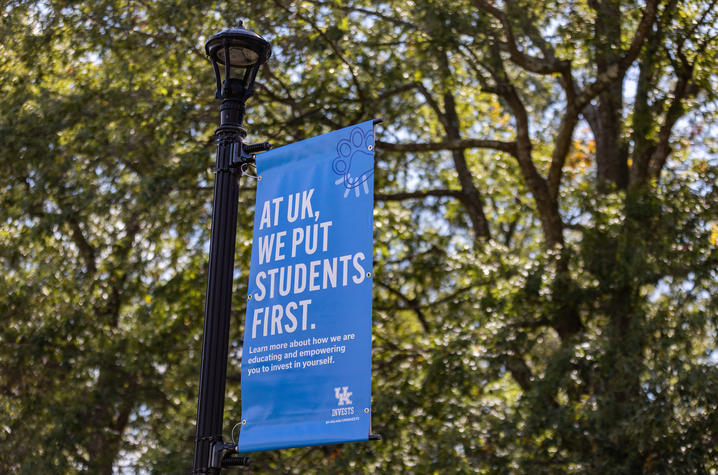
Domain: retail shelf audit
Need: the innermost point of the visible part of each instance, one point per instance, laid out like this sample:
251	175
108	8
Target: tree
102	234
545	259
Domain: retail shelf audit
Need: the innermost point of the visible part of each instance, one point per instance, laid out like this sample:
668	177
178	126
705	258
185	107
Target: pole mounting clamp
246	153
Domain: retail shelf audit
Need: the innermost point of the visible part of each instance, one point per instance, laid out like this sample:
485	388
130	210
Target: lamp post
236	55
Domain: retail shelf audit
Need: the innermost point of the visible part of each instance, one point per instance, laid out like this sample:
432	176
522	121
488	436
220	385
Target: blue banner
306	360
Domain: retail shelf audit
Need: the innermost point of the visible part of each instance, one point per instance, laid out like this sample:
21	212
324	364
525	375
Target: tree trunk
109	416
611	157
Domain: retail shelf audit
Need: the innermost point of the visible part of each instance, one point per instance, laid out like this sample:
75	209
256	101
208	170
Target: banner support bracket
220	456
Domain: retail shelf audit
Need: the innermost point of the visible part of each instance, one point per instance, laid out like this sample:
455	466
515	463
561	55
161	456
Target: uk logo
342	394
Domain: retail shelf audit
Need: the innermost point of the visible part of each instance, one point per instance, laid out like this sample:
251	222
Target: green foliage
546	228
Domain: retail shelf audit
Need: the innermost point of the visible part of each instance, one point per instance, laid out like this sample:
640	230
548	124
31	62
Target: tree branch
449	297
86	250
412	304
474	201
397	90
413	195
546	204
353	9
616	70
520	371
335	49
683	89
432	103
562	145
526	61
456	144
547	65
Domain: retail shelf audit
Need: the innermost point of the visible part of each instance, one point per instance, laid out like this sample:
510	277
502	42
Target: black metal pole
215	340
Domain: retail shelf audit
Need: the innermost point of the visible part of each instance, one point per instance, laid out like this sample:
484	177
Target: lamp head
239	52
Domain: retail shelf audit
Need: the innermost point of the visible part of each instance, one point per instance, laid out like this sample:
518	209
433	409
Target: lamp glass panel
238	56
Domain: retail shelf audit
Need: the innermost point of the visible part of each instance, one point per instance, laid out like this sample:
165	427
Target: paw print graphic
355	161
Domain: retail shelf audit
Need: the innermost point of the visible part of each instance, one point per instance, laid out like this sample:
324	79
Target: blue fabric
306	361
